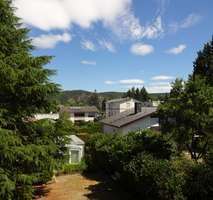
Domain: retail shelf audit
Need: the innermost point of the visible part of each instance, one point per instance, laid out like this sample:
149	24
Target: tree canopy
28	150
187	113
138	94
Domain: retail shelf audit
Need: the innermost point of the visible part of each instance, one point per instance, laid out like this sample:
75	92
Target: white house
81	113
76	149
52	116
132	122
121	106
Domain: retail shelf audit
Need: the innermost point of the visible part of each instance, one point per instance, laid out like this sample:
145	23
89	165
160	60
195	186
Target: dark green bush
199	183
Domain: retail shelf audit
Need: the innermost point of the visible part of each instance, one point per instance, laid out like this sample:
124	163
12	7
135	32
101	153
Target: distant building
52	116
132	122
81	113
122	106
76	149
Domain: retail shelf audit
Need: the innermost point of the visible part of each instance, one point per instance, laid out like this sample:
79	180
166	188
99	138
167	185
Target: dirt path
78	187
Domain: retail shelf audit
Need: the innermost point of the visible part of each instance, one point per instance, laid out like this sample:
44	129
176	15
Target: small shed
76	149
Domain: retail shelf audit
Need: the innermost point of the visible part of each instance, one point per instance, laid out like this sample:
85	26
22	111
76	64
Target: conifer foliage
27	149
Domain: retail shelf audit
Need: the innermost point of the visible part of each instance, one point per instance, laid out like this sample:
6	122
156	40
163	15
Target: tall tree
138	94
203	65
27	149
144	96
94	100
187	113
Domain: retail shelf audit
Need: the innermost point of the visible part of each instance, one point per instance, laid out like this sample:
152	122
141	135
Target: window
79	114
74	156
91	114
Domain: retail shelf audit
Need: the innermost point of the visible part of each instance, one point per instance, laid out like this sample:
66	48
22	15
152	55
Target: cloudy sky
112	45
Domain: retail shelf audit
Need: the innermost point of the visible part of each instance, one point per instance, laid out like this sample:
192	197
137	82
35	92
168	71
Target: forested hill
82	96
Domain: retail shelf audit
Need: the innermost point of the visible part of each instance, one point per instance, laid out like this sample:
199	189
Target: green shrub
152	178
199	183
71	168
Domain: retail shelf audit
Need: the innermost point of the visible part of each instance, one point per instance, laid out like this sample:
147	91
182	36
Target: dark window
91	114
79	114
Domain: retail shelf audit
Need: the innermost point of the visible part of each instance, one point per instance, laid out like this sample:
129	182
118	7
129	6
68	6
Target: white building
52	116
76	149
121	106
133	122
81	113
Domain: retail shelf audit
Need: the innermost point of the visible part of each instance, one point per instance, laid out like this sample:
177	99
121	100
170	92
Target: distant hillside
82	96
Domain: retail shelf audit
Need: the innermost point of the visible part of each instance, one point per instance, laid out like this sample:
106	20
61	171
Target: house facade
52	116
127	123
76	149
121	106
81	113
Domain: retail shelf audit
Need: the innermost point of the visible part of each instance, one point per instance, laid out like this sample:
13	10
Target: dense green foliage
187	112
146	164
29	151
73	168
138	94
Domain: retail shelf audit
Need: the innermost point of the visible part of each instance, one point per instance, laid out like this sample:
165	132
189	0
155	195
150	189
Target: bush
111	152
71	168
152	178
199	183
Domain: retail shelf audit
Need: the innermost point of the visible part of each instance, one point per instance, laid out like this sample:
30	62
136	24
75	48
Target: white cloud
162	78
116	15
61	14
126	82
158	89
107	45
109	82
177	50
88	45
48	41
188	22
154	30
141	49
131	81
128	26
87	62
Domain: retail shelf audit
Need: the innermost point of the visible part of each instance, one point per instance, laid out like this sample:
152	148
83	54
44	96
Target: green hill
82	96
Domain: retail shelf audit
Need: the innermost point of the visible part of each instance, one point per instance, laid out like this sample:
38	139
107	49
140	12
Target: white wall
109	129
79	148
46	116
86	118
143	123
128	106
116	108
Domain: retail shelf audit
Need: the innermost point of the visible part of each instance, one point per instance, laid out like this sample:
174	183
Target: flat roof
122	100
80	109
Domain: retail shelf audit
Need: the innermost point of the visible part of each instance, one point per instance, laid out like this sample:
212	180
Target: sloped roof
76	140
80	109
122	120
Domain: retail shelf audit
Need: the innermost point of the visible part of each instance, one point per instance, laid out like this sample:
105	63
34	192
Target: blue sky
112	45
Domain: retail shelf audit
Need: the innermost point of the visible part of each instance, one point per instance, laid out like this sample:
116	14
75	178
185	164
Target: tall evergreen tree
187	113
144	96
27	149
94	100
203	65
